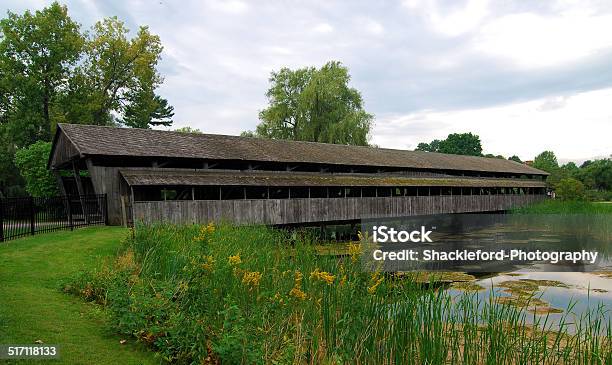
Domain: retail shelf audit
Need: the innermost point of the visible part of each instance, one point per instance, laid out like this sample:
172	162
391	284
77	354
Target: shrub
32	164
570	189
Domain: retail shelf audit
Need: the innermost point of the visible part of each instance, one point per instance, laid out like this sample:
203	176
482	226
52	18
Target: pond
544	289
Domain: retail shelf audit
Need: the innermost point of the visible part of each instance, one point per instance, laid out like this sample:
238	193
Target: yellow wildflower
298	279
235	260
210	228
209	263
354	251
360	235
322	276
251	278
375	281
297	293
278	298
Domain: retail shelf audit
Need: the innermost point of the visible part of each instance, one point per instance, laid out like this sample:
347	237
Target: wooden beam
77	178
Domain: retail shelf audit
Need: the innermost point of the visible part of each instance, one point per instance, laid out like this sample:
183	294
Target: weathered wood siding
106	180
287	211
64	151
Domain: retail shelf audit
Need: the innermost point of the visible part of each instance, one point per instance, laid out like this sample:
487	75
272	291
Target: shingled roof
165	177
111	141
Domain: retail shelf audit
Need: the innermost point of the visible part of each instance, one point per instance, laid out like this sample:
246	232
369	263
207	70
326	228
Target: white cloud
532	41
448	21
323	28
228	6
374	27
576	129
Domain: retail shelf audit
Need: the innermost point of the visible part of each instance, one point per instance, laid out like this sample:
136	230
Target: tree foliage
570	189
546	161
32	164
315	105
456	144
38	52
52	71
515	158
118	77
188	130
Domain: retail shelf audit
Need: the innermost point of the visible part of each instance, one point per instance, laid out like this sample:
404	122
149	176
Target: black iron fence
28	216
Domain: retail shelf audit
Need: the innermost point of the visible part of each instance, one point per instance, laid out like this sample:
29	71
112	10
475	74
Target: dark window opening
368	192
383	192
232	192
352	192
336	192
298	193
318	192
256	192
279	193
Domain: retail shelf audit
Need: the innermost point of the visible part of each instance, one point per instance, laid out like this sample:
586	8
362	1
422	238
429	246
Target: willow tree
316	105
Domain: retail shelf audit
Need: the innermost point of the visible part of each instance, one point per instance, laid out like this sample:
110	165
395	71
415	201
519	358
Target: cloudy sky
526	76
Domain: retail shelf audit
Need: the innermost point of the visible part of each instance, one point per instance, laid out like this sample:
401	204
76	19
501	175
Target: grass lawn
32	307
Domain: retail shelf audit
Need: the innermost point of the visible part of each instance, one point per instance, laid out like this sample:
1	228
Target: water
582	285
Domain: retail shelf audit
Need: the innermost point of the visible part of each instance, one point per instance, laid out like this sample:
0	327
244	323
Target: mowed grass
32	306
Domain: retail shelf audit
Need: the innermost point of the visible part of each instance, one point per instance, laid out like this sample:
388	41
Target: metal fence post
32	217
1	220
105	209
69	212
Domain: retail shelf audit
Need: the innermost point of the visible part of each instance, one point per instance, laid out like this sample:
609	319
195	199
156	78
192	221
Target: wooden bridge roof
148	177
86	140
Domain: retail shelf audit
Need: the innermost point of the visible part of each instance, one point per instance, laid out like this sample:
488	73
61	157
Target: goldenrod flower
376	280
210	228
355	251
322	276
209	263
251	278
235	260
297	293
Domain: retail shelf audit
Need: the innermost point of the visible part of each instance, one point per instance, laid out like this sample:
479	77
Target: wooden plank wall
288	211
106	180
64	151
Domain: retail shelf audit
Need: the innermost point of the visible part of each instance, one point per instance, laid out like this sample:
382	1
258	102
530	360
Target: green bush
599	195
570	189
32	164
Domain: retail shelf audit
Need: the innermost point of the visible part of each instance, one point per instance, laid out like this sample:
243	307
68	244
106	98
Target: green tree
546	161
188	130
32	164
597	175
315	105
456	144
570	189
51	72
38	52
147	109
515	158
434	146
461	144
118	77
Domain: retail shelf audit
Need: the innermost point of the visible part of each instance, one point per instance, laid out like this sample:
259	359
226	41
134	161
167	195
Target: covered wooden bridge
151	175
